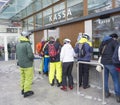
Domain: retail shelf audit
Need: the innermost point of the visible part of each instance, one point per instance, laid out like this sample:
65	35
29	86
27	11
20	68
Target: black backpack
115	58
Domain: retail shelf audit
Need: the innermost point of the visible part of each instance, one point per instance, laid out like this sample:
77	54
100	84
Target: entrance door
2	56
8	41
51	32
8	47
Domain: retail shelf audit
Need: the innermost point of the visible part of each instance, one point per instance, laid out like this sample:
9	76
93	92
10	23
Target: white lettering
50	18
104	21
69	13
63	13
59	16
55	17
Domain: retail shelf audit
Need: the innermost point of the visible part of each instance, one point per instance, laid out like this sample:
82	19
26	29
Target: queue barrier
37	61
94	64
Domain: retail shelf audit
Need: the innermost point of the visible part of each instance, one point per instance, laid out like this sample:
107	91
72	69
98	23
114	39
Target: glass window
103	27
29	10
46	15
46	3
30	23
38	20
74	9
117	3
24	13
59	13
95	6
55	1
25	24
2	51
37	5
11	45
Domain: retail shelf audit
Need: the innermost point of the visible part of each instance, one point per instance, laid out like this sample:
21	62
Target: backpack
52	50
81	52
39	46
115	58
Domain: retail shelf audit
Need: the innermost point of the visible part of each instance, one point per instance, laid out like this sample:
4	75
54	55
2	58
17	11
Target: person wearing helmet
67	58
83	50
85	35
25	58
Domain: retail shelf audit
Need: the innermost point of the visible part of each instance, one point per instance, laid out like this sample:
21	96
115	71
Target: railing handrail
94	64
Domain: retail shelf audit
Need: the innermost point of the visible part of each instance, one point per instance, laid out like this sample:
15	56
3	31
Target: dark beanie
114	35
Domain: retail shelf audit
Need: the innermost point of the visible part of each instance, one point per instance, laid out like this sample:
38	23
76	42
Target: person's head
114	36
51	38
26	34
66	40
85	35
79	36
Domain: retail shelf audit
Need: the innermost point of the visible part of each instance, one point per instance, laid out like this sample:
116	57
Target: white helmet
85	35
67	40
26	33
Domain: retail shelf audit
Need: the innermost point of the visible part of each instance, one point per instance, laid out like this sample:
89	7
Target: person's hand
118	69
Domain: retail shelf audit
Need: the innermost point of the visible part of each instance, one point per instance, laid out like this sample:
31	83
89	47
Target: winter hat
51	38
114	35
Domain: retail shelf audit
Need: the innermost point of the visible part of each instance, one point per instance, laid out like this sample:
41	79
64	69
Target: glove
118	69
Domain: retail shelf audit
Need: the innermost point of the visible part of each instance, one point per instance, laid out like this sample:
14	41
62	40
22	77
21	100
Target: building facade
68	18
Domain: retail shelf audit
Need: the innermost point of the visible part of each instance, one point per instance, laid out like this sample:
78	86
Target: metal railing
37	61
94	64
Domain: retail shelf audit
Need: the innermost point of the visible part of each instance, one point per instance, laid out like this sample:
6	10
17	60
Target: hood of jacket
84	40
106	38
23	39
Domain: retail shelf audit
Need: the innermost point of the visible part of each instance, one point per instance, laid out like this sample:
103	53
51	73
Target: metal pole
92	63
103	102
77	78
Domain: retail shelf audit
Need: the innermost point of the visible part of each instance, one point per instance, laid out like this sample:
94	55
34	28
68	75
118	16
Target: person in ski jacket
67	55
107	48
25	57
55	68
84	68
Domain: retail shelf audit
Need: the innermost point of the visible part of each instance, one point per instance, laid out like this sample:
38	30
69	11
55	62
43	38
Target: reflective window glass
117	3
59	13
55	1
95	6
29	10
46	16
2	51
25	24
46	3
11	47
30	23
74	9
37	5
38	20
103	27
24	13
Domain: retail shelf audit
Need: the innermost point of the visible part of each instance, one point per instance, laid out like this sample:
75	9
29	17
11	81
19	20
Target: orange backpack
39	47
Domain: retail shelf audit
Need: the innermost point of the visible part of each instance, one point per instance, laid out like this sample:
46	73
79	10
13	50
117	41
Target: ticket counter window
101	28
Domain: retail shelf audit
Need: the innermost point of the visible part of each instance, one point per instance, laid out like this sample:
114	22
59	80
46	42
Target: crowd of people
57	62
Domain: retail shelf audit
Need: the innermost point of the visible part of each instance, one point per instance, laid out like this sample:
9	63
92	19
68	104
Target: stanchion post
103	77
77	77
92	63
